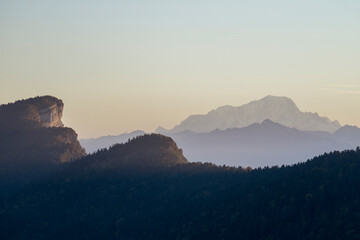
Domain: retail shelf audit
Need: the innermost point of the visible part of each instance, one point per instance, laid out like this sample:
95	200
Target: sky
120	65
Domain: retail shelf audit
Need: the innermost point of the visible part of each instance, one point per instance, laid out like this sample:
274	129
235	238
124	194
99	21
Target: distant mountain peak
268	122
160	130
276	98
276	103
281	110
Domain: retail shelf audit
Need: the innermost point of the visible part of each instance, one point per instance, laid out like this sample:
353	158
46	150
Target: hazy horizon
120	66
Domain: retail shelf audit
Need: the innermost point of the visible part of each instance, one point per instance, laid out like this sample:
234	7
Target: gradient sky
126	65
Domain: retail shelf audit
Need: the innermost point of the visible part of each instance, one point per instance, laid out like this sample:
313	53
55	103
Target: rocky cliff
51	116
33	140
37	112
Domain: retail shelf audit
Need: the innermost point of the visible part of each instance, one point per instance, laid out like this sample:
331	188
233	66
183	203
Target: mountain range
277	133
145	188
261	144
277	109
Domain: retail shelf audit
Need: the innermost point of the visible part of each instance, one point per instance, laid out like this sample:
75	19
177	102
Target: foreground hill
149	151
277	109
33	140
319	199
93	144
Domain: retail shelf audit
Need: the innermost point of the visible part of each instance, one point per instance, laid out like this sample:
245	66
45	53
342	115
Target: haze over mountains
146	188
277	109
270	131
31	123
258	145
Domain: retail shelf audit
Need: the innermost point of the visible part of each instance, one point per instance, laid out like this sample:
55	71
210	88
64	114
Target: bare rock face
37	112
51	116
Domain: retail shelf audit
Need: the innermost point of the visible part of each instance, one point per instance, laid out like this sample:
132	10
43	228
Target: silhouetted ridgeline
282	110
93	144
258	145
267	132
319	199
33	140
141	153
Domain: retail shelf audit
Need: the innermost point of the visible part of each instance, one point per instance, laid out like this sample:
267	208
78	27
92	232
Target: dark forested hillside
318	199
93	144
149	151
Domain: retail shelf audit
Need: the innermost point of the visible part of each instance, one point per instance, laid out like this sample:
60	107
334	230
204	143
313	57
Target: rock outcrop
51	116
36	112
33	140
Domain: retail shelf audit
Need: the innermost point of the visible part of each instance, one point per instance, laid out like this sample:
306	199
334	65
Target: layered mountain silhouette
145	188
277	109
349	134
33	140
261	144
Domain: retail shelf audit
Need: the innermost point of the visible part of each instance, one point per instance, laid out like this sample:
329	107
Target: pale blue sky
126	65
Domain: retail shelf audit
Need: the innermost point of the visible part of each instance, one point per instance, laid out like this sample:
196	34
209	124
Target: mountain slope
349	134
33	140
315	200
93	144
140	153
277	109
258	145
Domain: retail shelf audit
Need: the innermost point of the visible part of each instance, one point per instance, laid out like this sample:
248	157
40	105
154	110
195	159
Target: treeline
318	199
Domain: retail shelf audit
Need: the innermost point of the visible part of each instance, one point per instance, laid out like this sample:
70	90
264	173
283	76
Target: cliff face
33	140
35	112
51	116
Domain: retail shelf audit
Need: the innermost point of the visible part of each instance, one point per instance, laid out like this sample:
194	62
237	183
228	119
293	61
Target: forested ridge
317	199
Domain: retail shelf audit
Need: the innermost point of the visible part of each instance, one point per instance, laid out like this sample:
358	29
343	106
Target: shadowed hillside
149	151
318	199
33	140
93	144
